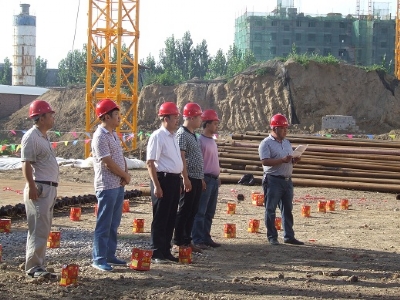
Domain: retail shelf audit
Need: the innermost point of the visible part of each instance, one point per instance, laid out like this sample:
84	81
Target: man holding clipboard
277	158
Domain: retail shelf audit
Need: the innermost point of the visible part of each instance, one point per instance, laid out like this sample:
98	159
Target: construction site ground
348	254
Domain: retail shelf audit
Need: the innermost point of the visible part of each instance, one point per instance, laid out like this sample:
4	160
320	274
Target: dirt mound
69	105
245	103
304	93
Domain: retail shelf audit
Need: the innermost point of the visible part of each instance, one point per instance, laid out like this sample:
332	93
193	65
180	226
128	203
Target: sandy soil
349	254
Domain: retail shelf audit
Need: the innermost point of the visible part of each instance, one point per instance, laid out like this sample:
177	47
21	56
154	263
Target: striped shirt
271	148
106	143
188	142
36	149
164	150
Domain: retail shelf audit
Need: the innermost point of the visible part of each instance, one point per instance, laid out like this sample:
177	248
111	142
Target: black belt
48	183
211	176
165	174
281	177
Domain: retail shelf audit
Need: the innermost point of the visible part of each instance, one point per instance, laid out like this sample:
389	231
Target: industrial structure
360	39
397	42
112	64
24	57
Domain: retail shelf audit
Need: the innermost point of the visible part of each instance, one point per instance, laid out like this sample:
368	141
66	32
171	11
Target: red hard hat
279	120
168	108
39	107
105	106
192	110
209	115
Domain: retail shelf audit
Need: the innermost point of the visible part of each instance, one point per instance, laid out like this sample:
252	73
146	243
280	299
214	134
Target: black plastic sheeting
19	209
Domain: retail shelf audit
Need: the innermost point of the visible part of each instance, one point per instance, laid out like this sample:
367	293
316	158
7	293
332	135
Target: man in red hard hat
40	169
201	232
110	177
193	176
164	164
276	157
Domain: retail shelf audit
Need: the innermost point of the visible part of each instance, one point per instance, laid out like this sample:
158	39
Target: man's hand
187	185
127	178
295	160
158	192
33	192
203	184
286	159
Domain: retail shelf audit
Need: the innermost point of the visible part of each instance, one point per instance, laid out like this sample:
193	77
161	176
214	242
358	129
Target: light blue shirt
271	148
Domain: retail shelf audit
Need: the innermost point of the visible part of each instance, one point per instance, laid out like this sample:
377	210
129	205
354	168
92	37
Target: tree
168	55
238	61
153	69
6	73
180	61
185	56
41	71
72	69
201	60
217	66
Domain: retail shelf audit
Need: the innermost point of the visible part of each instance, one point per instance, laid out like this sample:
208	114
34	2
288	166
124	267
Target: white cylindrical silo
24	58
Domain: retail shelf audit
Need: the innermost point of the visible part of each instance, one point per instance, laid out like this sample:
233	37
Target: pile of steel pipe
19	209
359	164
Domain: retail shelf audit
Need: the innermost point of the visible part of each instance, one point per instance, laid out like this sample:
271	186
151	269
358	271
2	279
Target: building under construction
360	39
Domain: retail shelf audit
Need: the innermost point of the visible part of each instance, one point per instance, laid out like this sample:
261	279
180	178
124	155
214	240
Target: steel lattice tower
112	64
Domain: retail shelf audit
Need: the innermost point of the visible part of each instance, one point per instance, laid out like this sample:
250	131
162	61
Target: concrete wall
10	103
339	122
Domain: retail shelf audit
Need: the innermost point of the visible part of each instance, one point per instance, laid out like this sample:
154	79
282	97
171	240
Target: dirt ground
349	254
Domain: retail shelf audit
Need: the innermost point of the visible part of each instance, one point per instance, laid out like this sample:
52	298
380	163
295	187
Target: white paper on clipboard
299	150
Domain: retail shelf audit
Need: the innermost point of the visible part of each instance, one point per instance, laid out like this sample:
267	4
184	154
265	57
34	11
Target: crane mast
397	43
112	64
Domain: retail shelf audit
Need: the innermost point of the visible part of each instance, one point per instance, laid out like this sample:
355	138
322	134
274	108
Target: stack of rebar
359	164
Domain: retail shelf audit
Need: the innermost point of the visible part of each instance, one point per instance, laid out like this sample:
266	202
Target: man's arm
187	185
114	168
270	162
151	168
28	174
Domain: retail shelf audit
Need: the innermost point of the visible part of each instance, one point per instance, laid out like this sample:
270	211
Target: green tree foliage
184	57
180	60
217	66
41	71
72	69
6	73
238	61
201	59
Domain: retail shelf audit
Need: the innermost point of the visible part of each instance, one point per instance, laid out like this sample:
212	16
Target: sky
212	20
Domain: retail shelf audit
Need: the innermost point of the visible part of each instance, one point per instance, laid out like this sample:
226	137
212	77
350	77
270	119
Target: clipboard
299	150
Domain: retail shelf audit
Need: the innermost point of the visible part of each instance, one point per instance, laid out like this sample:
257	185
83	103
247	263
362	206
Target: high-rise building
361	40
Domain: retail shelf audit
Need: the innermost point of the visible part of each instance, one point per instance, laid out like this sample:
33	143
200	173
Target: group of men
184	179
184	170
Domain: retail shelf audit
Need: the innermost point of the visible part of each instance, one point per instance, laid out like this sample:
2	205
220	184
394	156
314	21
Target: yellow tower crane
397	43
112	70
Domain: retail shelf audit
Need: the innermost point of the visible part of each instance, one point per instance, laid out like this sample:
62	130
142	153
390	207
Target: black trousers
164	214
187	209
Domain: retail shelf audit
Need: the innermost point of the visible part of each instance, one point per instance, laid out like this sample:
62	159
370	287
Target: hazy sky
212	20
